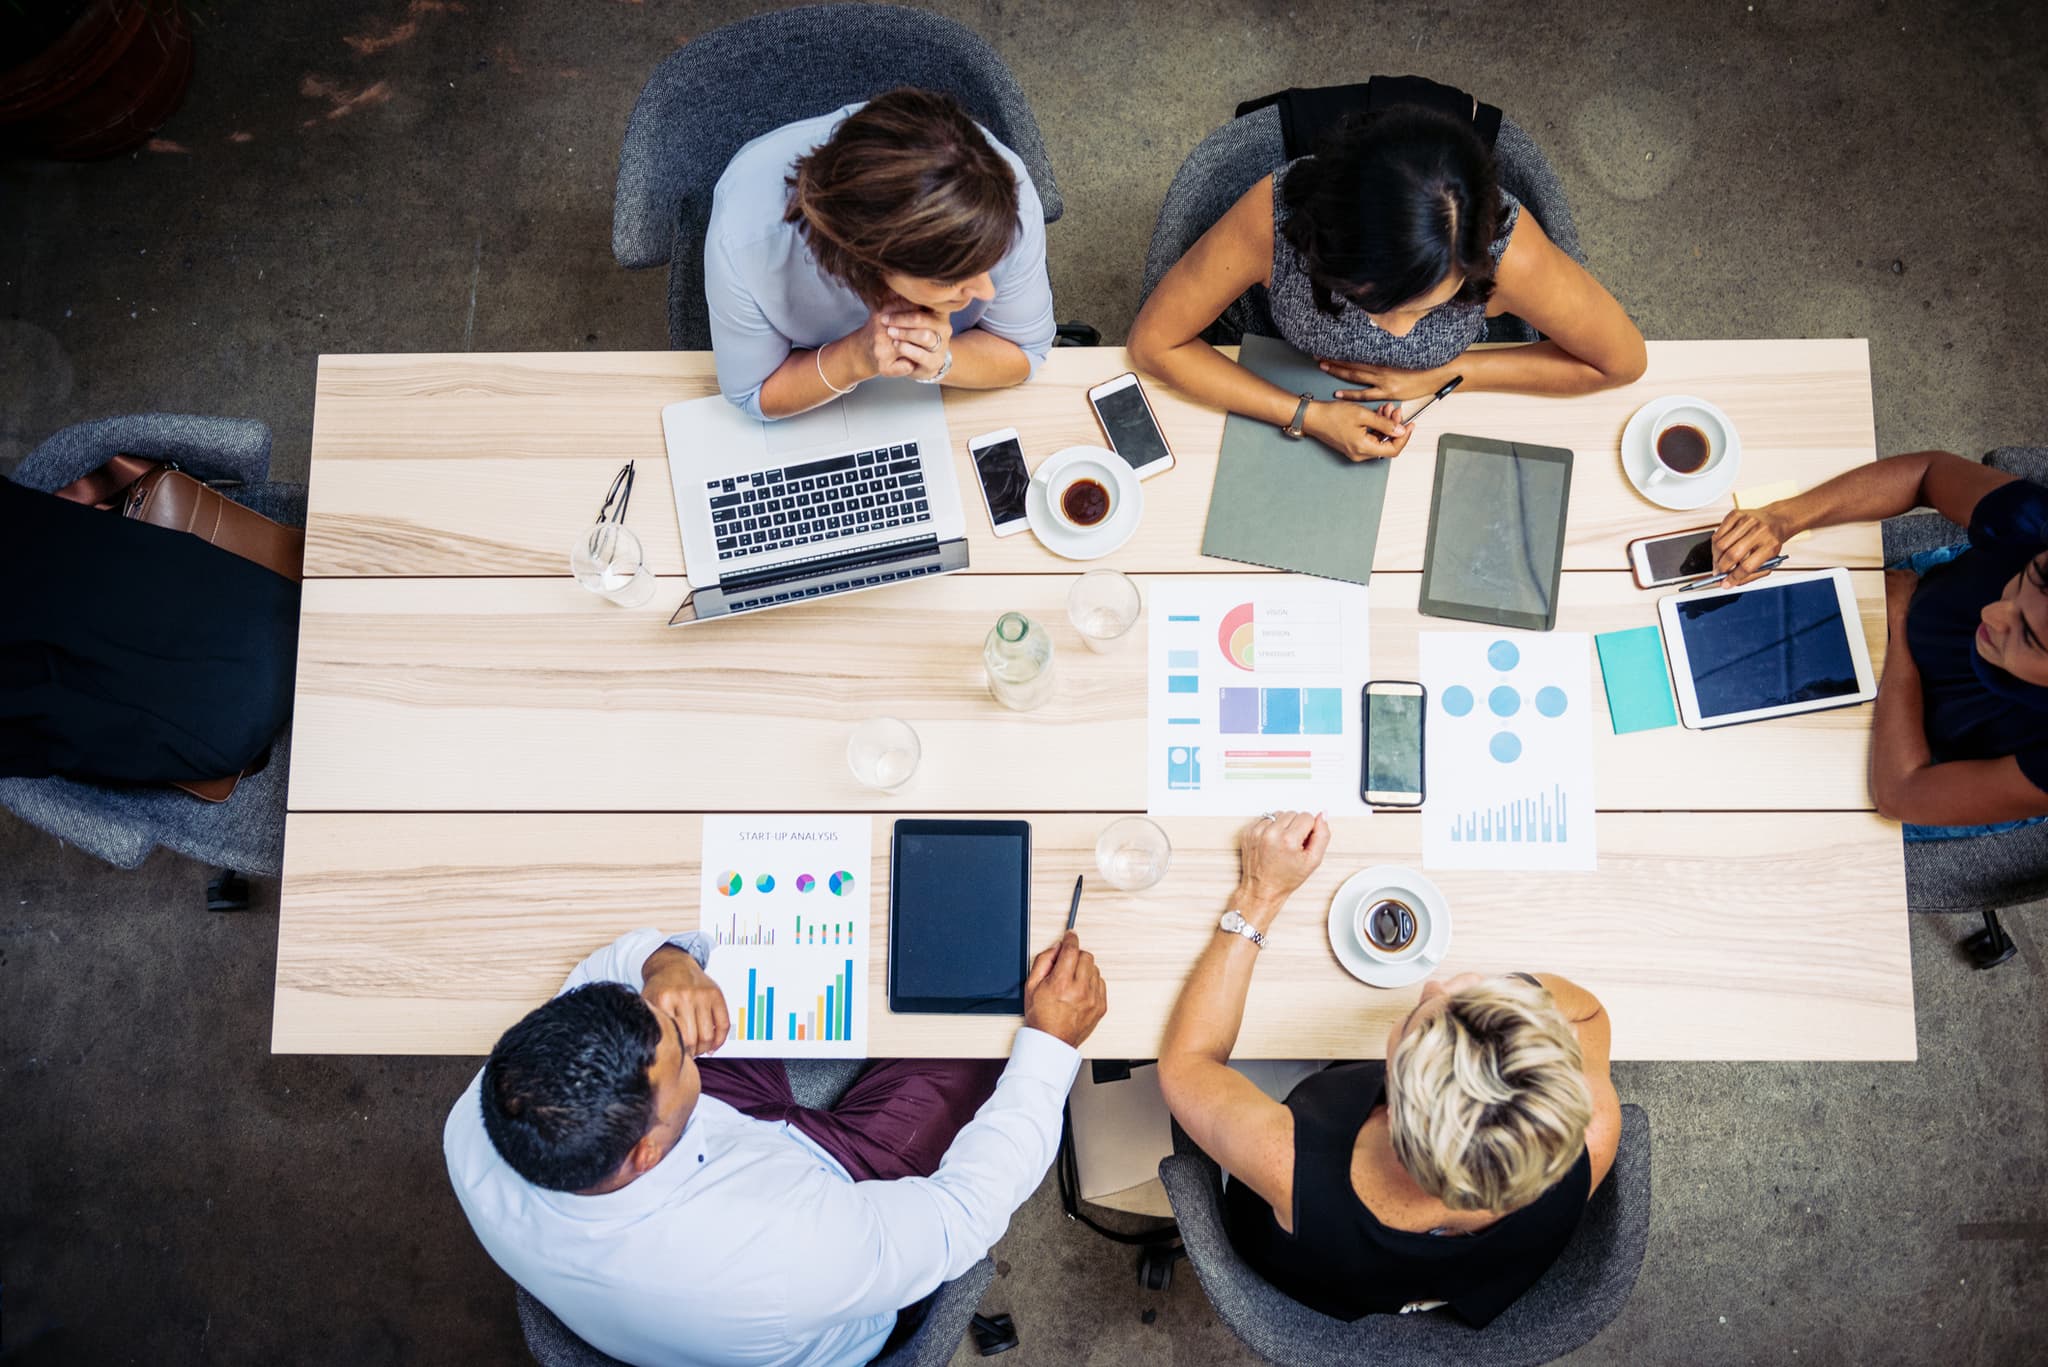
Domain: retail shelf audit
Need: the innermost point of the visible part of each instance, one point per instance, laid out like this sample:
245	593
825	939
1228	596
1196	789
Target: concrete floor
365	176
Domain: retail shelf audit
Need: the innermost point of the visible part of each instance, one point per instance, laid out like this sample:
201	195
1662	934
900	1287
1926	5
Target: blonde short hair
1487	1099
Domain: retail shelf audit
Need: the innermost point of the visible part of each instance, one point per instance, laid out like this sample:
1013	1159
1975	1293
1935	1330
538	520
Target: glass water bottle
1018	654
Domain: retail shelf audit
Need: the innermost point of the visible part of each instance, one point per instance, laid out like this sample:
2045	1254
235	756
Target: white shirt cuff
1036	1054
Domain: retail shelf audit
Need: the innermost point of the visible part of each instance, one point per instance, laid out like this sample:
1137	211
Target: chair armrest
210	448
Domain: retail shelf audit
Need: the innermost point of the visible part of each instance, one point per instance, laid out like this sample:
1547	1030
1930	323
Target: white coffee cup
1708	424
1075	472
1399	919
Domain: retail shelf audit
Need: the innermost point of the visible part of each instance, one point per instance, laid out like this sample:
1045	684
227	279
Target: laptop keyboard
819	500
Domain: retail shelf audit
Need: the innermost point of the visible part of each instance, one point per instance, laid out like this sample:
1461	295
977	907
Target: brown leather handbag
165	496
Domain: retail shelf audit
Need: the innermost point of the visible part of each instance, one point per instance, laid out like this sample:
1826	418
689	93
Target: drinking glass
1104	605
1133	853
883	753
609	562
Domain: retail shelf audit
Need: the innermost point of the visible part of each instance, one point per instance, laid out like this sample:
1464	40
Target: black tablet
1496	532
959	916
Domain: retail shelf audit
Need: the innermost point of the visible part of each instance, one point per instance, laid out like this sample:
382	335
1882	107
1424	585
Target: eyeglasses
621	494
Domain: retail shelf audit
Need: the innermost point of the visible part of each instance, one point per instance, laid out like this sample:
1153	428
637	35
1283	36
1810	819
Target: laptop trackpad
821	427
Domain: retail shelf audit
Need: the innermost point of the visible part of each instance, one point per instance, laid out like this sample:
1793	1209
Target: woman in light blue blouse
894	238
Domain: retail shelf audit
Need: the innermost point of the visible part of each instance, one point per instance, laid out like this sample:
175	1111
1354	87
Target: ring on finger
1268	816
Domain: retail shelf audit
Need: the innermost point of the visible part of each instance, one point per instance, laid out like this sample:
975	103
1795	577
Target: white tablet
1786	644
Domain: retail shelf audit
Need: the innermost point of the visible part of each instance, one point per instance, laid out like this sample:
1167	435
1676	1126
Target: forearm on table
1210	1011
796	386
1534	368
1870	492
1898	729
1203	373
982	360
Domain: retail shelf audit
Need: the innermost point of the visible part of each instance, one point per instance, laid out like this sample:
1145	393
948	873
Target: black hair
1390	205
566	1094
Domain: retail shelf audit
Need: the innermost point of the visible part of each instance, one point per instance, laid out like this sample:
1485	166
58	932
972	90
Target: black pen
1455	381
1075	909
1722	577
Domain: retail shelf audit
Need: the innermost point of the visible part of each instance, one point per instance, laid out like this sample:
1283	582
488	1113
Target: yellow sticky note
1769	493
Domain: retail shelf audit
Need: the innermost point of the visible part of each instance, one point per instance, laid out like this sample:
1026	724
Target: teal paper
1638	684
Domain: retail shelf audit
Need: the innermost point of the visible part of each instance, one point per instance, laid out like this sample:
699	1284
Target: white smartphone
1129	426
999	466
1671	558
1392	773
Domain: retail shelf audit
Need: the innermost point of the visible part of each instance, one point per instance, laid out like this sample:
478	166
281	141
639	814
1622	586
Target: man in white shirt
664	1225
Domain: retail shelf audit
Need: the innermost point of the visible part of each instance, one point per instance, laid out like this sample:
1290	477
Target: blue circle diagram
1504	701
1503	656
1457	700
1506	747
1550	701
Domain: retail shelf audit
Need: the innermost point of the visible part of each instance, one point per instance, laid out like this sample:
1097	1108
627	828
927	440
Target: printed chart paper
1509	751
1253	698
786	899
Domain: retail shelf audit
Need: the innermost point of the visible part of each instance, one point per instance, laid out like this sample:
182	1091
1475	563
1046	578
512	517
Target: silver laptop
854	495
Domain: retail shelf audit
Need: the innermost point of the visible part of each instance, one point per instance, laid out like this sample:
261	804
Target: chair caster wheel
1989	947
1155	1265
229	892
993	1334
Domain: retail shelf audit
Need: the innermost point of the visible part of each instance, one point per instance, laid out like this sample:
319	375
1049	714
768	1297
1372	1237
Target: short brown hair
906	184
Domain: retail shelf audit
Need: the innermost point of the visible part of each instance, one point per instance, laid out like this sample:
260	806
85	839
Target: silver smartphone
1129	426
999	468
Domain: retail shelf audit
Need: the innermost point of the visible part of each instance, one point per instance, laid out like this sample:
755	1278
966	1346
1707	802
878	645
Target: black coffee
1085	502
1684	449
1390	925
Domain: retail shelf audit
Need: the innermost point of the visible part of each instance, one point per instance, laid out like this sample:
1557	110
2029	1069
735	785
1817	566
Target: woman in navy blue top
1960	737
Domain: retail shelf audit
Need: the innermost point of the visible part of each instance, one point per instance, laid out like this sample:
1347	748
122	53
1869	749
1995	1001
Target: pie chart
1234	637
765	883
729	884
804	882
841	883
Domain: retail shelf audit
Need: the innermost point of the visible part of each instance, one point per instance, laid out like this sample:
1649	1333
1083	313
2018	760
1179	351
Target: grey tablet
1496	532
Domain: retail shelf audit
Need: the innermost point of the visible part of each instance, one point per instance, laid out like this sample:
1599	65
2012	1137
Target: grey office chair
729	86
952	1309
1982	872
1236	156
122	826
1578	1297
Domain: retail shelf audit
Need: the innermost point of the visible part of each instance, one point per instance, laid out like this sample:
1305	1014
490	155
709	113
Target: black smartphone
1391	773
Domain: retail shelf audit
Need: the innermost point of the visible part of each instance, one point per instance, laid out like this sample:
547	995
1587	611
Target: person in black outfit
1455	1175
1959	735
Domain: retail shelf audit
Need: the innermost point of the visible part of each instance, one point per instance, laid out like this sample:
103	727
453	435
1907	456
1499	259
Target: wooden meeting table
494	772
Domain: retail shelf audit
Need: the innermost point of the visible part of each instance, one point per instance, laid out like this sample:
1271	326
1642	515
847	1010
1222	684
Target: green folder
1638	684
1292	504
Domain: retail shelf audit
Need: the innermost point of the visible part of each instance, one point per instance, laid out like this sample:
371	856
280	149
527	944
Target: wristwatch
1233	922
940	373
1296	428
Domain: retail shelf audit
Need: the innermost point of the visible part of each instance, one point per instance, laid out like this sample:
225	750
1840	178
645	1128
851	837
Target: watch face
1232	921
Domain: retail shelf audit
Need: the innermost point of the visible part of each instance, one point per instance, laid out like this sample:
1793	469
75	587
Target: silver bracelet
819	357
940	373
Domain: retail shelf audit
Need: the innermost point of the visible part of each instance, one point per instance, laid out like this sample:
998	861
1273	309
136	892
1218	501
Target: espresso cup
1688	443
1083	488
1391	925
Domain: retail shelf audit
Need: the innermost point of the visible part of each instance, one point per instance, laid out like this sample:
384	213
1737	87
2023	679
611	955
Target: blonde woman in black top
1456	1180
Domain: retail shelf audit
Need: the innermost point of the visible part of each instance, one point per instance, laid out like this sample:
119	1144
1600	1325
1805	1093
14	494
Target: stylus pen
1075	910
1714	579
1455	381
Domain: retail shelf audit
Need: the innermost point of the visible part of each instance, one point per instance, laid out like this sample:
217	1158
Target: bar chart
791	1002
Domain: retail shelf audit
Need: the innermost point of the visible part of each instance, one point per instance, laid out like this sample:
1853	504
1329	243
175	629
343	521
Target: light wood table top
493	772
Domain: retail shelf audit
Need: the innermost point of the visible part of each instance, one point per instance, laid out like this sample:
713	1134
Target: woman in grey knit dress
1383	255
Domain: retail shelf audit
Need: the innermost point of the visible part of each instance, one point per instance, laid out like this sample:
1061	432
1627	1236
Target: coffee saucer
1411	887
1638	459
1056	536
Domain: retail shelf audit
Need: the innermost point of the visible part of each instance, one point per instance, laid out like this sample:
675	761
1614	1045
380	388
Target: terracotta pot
102	86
